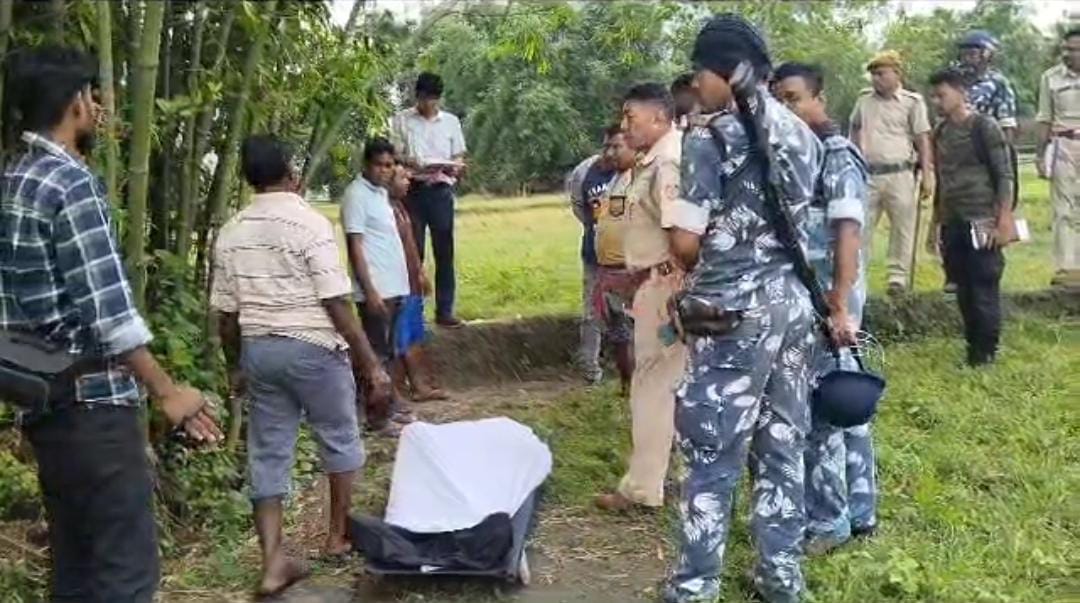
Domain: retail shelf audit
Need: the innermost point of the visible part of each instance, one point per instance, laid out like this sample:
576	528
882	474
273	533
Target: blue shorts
410	329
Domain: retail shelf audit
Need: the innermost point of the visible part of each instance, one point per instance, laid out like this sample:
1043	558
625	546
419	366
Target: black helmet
978	38
846	398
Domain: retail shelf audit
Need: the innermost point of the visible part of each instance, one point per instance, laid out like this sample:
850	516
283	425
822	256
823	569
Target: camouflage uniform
991	94
841	485
745	391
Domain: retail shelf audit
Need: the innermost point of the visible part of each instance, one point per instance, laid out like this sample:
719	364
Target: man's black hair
375	147
1072	32
684	82
265	160
43	82
429	85
811	74
950	77
654	93
612	131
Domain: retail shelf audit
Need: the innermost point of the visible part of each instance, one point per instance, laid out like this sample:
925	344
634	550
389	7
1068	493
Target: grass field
979	470
520	256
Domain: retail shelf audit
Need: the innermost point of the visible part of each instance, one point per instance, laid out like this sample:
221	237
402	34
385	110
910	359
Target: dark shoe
817	546
981	359
614	503
861	532
450	322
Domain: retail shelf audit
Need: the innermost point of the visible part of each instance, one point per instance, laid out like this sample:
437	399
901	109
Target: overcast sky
1045	12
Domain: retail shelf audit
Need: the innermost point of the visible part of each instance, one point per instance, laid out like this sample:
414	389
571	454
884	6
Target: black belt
880	169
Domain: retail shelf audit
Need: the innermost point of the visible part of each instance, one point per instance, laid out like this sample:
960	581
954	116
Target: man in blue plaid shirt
62	278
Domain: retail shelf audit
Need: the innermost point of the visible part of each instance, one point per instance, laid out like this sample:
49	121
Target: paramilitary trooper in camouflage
989	91
840	469
745	390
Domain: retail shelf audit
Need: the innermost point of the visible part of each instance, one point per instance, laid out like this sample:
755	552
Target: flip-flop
402	417
389	429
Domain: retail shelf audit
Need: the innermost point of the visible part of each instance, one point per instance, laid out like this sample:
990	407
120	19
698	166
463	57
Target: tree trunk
224	175
142	116
187	150
200	141
5	33
108	98
329	137
354	16
159	197
57	13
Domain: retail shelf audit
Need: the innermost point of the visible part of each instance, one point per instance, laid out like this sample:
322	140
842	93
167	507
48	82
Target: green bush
20	495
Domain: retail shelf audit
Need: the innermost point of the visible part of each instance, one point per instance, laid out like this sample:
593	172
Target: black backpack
982	152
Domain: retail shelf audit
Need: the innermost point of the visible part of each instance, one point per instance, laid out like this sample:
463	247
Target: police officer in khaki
890	126
1059	156
659	361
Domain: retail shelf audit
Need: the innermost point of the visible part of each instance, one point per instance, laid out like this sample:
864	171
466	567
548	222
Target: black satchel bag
36	374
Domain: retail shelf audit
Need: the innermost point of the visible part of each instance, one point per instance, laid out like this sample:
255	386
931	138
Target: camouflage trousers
745	394
841	485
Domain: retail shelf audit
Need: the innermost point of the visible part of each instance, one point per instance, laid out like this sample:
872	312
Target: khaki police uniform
658	364
1059	106
887	128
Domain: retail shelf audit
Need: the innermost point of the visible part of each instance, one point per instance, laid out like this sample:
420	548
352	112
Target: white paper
1023	232
1048	157
451	476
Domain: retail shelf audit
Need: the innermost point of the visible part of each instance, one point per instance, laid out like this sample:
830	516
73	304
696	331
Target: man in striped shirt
286	320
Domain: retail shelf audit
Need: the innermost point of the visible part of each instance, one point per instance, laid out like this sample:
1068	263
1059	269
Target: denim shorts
289	379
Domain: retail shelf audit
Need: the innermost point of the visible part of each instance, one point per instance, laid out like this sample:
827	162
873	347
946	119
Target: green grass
979	471
519	257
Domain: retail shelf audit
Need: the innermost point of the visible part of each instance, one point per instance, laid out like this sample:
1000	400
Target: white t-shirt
366	210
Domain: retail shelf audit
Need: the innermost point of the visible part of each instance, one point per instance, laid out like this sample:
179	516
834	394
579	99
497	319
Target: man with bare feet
280	284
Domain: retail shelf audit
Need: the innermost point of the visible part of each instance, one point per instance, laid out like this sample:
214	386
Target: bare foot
336	546
429	394
282	573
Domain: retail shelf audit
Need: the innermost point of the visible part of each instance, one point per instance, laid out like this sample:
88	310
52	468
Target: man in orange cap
890	126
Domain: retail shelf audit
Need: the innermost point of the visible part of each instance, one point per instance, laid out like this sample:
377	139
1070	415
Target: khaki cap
887	58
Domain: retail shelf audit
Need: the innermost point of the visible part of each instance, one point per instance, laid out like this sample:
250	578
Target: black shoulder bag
36	374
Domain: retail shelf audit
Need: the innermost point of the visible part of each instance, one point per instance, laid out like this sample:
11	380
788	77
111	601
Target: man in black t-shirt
585	185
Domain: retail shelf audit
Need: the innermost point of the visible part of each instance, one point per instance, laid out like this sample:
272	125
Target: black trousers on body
98	494
431	207
977	274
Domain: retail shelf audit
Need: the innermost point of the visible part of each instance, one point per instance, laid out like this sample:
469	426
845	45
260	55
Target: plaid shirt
61	275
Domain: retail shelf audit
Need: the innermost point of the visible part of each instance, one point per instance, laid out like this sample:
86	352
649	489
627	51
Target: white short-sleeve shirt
366	210
419	138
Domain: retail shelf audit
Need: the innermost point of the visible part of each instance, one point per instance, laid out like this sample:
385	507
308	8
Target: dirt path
576	554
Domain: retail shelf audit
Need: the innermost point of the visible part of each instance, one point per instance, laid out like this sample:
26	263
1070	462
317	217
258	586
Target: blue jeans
432	207
745	391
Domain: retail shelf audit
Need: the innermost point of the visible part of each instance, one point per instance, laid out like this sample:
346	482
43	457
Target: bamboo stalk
5	34
142	116
189	171
108	98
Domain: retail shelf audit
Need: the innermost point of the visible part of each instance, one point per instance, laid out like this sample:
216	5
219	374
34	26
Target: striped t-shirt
274	263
